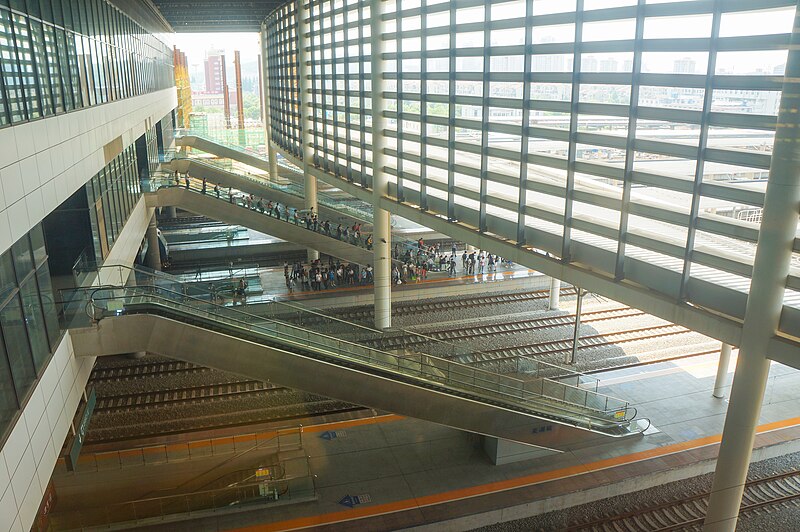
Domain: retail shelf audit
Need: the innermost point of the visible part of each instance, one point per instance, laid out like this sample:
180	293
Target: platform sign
619	415
351	500
80	433
333	434
262	472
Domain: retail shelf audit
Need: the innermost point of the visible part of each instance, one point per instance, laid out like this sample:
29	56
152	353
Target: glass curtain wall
112	194
631	136
29	329
60	55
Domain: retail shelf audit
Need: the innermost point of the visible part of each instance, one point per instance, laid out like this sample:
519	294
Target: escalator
227	151
540	412
232	209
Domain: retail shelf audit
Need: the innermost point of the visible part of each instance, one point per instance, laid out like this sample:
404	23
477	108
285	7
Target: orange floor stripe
159	449
503	485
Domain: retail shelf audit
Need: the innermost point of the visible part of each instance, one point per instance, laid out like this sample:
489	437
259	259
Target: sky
194	45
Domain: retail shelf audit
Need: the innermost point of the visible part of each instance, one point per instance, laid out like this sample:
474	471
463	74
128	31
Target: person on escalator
204	186
216	189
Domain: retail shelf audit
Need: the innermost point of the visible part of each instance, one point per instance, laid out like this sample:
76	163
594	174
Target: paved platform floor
390	473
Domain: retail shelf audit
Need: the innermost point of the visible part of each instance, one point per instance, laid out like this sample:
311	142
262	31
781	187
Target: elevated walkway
226	151
171	323
287	193
230	210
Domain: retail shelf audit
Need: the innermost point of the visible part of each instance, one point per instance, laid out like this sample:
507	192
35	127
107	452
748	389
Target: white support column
555	293
272	153
153	258
764	303
382	237
722	371
310	181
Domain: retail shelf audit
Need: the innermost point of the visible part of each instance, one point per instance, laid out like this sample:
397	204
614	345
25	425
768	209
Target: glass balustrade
290	325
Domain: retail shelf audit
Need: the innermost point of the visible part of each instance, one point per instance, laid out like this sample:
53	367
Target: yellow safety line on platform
502	485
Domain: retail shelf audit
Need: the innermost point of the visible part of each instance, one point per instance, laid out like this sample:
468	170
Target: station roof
202	16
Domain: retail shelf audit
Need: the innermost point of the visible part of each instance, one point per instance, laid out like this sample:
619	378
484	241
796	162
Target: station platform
438	284
390	473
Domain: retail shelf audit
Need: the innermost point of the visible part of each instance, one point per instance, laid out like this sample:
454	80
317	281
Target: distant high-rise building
684	66
213	69
779	70
608	64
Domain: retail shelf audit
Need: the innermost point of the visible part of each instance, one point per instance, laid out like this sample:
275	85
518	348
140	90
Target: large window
63	55
634	139
29	329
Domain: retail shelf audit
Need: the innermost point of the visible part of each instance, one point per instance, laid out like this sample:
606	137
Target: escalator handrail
172	305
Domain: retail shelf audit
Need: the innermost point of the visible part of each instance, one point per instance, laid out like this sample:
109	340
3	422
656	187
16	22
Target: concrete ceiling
203	16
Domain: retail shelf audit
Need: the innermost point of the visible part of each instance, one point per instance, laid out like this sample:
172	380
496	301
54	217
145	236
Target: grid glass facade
29	329
60	55
112	194
630	137
280	36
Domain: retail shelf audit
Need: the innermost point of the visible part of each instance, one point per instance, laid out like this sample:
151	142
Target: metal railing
262	493
240	199
174	452
542	397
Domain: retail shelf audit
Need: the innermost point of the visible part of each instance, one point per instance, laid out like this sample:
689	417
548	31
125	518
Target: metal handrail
365	331
486	385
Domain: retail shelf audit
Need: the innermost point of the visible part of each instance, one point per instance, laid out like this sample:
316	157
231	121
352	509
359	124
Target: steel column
555	293
722	371
153	258
381	236
764	303
570	357
304	59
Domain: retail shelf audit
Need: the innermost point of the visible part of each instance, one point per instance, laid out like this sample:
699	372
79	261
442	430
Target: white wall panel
45	161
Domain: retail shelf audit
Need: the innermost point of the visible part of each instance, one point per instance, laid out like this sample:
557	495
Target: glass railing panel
457	375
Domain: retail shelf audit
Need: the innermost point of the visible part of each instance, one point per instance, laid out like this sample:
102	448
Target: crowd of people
416	263
319	276
411	263
351	234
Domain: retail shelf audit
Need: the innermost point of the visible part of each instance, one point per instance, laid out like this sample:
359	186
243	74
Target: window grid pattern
601	136
112	195
60	55
29	328
280	34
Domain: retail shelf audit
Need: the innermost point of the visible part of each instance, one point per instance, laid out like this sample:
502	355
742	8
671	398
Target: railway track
463	333
145	369
195	394
760	495
560	346
461	303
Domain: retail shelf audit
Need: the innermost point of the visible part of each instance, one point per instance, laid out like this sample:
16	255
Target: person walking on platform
216	189
452	266
464	262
